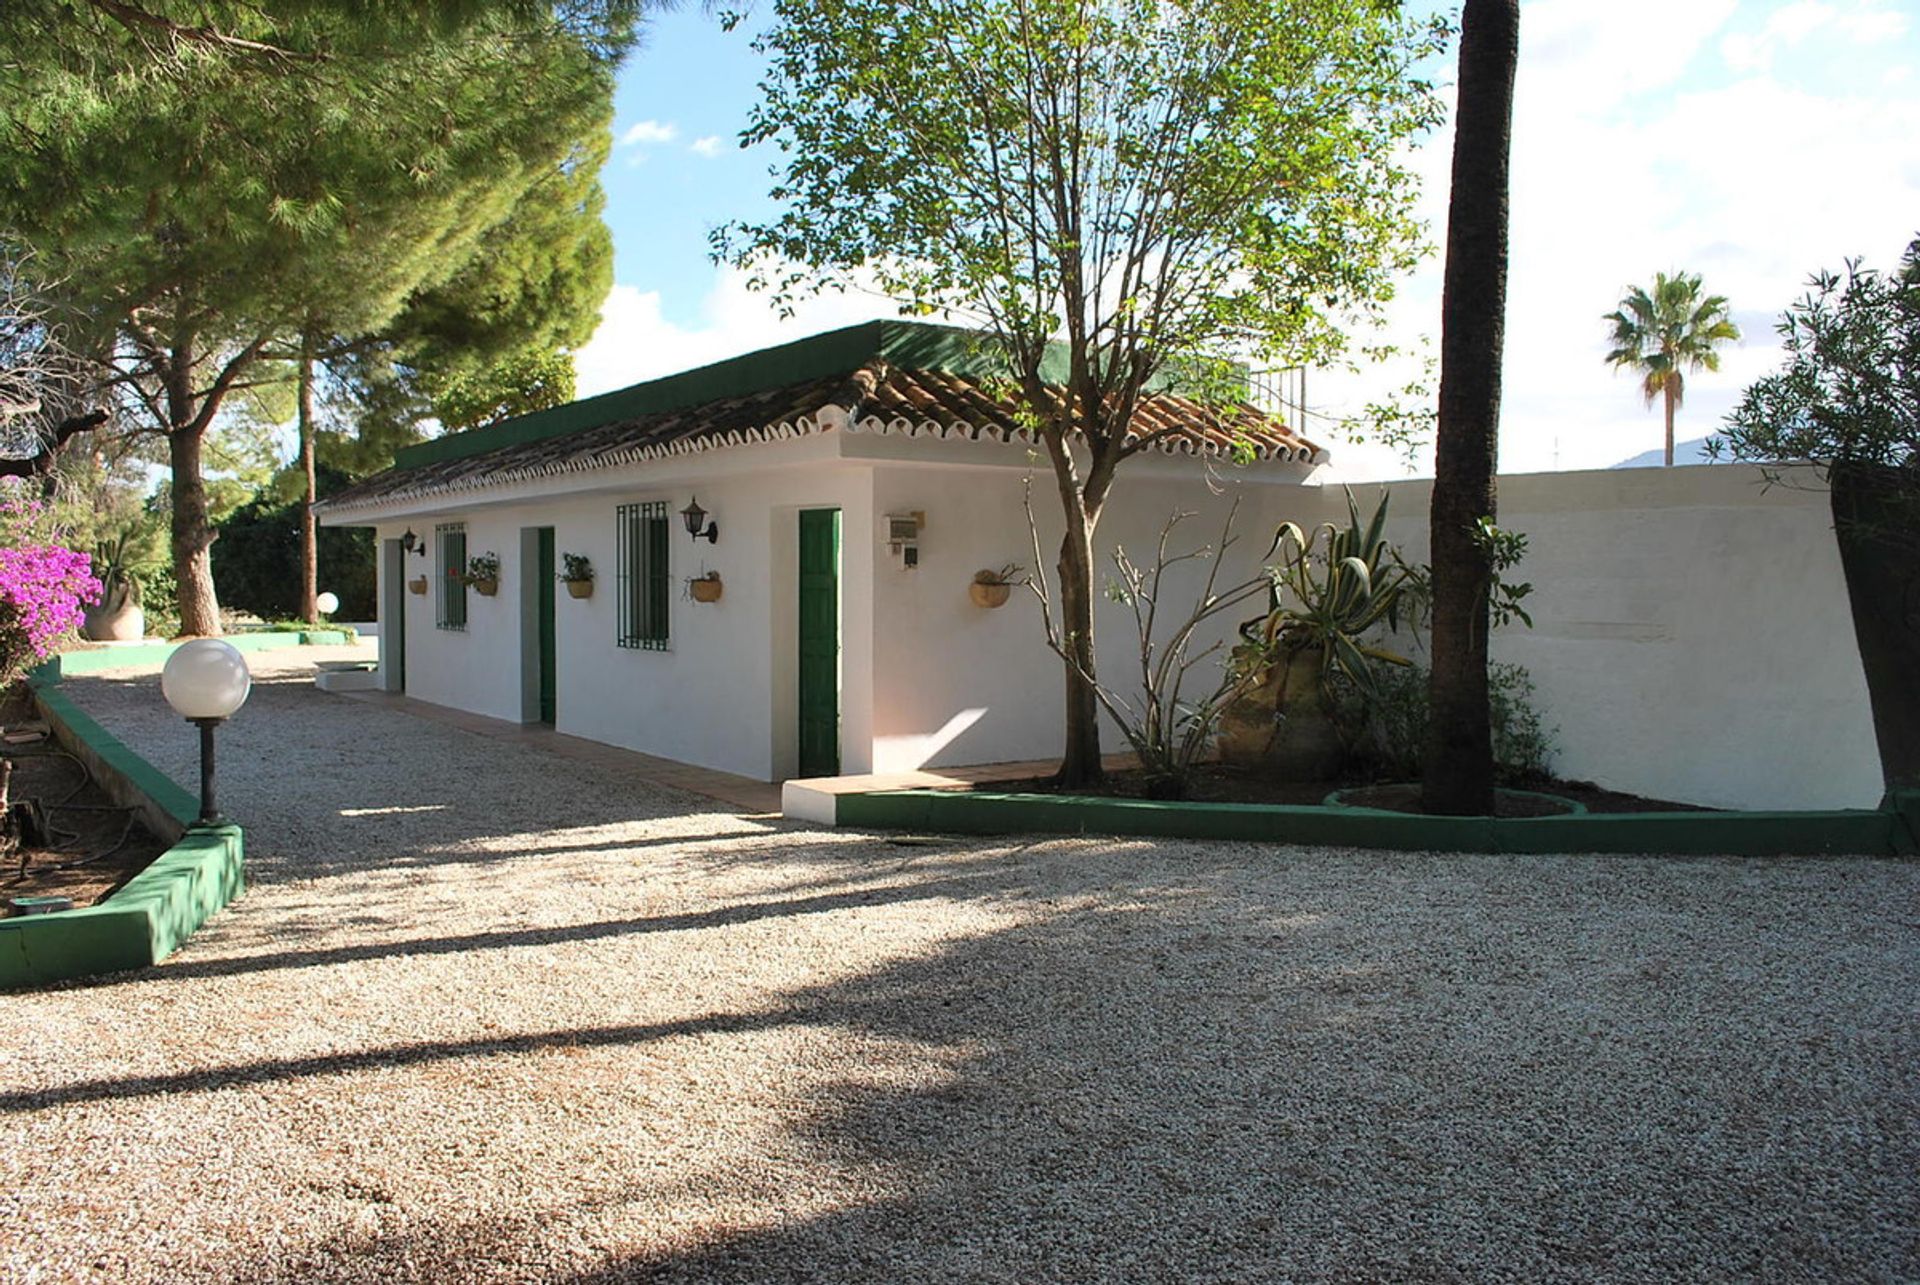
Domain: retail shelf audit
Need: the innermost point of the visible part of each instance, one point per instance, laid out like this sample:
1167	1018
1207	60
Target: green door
543	575
820	642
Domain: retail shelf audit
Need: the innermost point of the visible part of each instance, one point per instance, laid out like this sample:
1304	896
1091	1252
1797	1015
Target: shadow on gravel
1178	1083
722	916
393	1055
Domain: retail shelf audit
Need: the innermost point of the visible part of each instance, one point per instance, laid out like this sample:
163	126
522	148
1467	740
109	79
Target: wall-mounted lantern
411	543
693	515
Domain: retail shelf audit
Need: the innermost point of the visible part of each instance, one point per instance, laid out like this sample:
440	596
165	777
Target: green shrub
256	564
1386	729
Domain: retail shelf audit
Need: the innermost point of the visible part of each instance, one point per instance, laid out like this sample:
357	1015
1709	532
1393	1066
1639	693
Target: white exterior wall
723	694
958	684
1692	637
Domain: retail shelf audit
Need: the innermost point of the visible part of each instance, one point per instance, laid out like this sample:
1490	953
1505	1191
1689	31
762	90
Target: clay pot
418	586
115	619
1283	725
486	588
579	588
989	595
705	590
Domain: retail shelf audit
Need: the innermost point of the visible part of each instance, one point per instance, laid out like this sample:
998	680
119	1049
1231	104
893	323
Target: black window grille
451	542
642	575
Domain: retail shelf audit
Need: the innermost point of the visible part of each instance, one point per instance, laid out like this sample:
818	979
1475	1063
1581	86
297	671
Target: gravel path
490	1015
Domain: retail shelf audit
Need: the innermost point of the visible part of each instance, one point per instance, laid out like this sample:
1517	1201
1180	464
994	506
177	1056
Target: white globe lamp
327	603
205	681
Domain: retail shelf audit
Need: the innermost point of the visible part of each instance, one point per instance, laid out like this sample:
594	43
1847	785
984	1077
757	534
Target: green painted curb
93	660
1756	834
143	776
152	913
140	925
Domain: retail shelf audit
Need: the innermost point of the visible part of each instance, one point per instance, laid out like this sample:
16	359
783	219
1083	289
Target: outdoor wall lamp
411	543
205	681
694	515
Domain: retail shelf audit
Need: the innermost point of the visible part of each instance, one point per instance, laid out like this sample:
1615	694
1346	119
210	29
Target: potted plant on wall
483	574
991	588
576	573
704	587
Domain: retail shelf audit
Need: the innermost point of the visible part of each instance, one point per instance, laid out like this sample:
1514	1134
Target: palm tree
1458	778
1668	333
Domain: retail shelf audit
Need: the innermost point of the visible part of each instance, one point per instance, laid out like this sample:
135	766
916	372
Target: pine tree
202	201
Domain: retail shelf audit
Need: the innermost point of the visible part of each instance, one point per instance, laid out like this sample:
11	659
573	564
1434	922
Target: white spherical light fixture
206	678
205	681
327	603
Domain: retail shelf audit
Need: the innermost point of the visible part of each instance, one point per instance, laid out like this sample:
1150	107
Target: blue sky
1750	141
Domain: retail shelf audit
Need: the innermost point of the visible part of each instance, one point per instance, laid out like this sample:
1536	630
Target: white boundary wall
1692	638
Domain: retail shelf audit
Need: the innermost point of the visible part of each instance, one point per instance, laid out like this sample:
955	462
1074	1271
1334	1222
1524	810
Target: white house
852	484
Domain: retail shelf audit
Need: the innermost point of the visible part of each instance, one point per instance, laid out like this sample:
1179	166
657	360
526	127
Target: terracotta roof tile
878	397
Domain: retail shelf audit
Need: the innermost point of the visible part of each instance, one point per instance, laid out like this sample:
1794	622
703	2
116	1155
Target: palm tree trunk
1669	394
1459	753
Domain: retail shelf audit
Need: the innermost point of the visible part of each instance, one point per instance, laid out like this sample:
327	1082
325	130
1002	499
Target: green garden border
155	911
94	659
1891	830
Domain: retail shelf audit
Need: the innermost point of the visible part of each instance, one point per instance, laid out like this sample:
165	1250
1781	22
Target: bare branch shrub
1168	730
47	393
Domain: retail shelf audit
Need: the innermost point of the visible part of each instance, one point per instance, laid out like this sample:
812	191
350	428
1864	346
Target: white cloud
1596	54
1864	22
1753	184
649	131
709	145
635	341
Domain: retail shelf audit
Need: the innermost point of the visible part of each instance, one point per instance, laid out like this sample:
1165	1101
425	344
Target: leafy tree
261	541
1152	184
534	279
1668	333
519	384
1459	760
198	207
1848	399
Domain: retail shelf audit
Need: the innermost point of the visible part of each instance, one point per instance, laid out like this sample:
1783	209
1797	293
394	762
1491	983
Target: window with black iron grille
643	575
450	543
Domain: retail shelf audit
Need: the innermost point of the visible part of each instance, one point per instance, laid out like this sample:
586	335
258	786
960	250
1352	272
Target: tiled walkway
757	797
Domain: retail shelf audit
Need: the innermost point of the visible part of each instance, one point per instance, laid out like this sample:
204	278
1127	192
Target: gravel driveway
490	1015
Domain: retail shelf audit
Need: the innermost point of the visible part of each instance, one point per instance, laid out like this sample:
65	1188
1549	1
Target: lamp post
205	681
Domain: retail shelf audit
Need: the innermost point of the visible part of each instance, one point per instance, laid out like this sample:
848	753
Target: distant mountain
1694	452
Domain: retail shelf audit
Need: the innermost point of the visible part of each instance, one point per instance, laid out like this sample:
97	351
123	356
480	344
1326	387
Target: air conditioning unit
903	538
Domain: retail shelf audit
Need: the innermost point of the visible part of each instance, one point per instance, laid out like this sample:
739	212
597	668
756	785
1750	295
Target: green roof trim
914	345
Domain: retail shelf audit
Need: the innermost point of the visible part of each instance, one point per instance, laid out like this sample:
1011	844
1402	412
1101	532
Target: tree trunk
1669	398
1877	526
1459	758
193	537
1080	764
309	546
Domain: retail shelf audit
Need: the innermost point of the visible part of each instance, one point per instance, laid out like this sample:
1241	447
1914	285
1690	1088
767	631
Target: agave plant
1330	587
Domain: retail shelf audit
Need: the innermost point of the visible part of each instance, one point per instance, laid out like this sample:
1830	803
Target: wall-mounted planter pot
418	586
705	589
486	588
989	595
579	588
